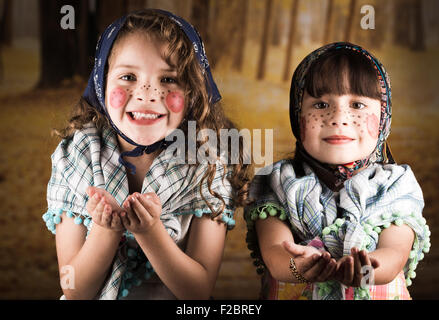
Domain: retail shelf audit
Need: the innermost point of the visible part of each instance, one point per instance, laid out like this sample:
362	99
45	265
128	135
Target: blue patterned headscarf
94	94
334	177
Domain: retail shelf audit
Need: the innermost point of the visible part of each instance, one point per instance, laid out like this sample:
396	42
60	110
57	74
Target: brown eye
128	77
169	80
358	105
320	105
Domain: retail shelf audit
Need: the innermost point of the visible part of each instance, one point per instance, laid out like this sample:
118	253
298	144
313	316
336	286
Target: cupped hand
312	264
352	268
109	199
102	214
141	212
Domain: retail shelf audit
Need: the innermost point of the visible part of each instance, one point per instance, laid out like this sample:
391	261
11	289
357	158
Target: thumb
293	248
90	191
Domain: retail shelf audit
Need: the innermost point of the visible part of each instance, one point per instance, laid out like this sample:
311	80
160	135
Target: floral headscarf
334	176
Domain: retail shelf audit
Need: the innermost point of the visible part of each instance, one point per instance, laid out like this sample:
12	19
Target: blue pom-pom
46	216
56	219
87	222
198	213
77	220
125	292
70	214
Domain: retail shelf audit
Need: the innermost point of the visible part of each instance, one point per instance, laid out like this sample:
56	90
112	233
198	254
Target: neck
144	158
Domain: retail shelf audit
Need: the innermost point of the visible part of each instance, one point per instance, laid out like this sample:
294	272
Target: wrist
151	231
107	232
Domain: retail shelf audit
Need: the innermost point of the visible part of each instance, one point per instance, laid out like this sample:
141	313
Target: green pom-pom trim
260	213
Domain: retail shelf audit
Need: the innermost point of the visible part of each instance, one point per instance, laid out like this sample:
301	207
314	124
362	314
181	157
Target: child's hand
349	268
102	213
311	263
142	212
91	191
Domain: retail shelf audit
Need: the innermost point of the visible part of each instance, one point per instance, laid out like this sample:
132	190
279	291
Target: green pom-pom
367	228
326	231
272	211
408	282
283	216
412	274
399	222
385	216
377	230
254	216
262	215
339	222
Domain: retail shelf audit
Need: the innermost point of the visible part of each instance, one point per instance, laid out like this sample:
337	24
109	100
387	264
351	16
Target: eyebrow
129	66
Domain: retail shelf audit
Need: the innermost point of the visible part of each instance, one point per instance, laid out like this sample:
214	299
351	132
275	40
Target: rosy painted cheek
118	98
372	123
175	101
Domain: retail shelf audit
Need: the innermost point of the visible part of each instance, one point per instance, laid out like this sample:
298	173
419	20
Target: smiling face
339	129
143	97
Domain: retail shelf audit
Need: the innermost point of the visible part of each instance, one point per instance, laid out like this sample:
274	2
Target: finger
90	191
92	202
154	198
106	215
327	271
140	211
364	258
348	271
149	202
130	215
357	266
314	272
125	221
115	221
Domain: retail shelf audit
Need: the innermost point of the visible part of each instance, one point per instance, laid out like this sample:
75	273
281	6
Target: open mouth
144	116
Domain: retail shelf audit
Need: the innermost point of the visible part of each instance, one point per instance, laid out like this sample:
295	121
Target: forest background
253	47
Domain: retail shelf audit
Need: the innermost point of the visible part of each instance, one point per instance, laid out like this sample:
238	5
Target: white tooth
139	115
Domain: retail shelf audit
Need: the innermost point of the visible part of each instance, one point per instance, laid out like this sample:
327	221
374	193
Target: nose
339	117
146	93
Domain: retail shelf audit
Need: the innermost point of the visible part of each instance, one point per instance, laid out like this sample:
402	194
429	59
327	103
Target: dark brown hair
198	108
342	71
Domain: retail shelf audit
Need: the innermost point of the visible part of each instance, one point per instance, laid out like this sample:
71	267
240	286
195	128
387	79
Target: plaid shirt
90	158
369	202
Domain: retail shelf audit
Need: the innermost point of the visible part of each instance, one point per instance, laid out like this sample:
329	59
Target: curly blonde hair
198	108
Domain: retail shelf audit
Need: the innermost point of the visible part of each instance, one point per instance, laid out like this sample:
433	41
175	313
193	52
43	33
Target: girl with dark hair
341	220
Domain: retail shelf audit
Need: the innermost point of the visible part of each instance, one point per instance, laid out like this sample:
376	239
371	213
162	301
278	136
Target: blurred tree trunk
264	41
329	9
200	18
134	5
59	47
276	31
241	39
6	24
108	12
291	36
402	25
350	21
418	42
84	62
